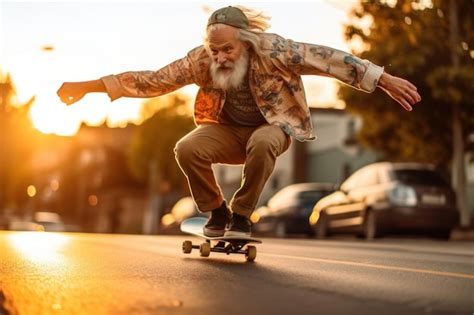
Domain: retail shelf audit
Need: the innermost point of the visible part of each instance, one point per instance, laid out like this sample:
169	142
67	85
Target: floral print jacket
275	81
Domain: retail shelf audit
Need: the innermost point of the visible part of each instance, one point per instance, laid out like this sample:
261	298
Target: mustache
231	77
227	64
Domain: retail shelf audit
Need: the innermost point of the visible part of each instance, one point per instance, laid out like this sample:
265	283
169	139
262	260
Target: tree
16	135
154	141
413	39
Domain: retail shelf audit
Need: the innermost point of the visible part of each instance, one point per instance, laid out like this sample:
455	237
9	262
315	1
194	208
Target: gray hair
253	38
258	22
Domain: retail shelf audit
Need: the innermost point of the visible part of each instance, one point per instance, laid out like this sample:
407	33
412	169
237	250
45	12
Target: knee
184	151
268	141
262	146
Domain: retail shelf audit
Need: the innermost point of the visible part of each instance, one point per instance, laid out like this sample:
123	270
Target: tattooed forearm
358	68
322	52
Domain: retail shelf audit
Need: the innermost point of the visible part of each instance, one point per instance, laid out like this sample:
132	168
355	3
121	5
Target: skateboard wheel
205	249
251	253
187	247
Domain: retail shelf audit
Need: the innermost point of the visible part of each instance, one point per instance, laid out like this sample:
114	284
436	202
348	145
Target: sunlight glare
122	112
92	109
40	247
49	116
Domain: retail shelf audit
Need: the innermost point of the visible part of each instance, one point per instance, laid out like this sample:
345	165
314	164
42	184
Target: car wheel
321	228
371	228
280	230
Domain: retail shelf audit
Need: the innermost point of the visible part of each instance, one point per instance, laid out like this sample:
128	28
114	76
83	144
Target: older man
250	104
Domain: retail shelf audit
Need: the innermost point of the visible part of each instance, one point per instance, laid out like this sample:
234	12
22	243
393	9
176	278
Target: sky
92	39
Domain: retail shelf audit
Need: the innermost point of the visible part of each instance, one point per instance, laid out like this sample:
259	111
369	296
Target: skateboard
225	244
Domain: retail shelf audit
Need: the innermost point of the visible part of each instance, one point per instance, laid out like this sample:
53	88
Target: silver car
387	197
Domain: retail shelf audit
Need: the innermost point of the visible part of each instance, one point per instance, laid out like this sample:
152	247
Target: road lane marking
376	266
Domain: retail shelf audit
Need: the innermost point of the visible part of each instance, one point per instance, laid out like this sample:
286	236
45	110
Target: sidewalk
462	234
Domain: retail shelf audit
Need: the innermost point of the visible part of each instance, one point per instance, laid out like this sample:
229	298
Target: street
68	273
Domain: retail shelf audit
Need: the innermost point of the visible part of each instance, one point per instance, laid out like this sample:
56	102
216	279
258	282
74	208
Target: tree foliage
411	40
18	140
154	140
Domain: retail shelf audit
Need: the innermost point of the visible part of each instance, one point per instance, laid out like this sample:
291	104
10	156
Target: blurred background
108	167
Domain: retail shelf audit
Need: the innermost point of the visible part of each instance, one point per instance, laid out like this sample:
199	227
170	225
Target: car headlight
402	195
313	218
255	217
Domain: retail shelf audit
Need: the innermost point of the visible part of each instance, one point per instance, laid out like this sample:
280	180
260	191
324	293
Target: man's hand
71	92
400	90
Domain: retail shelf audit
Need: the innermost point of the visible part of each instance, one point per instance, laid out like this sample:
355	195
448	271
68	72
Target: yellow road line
376	266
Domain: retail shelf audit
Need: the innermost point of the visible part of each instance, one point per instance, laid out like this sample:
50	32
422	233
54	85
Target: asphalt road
49	273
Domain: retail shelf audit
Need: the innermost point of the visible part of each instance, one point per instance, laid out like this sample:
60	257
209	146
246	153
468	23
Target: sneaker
239	226
218	221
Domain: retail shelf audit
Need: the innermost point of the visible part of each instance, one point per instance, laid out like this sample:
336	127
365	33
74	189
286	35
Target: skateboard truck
225	244
228	247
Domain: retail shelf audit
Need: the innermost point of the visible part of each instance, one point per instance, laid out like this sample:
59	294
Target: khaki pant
255	147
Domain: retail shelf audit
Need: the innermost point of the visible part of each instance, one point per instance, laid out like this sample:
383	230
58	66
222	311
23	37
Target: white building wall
332	128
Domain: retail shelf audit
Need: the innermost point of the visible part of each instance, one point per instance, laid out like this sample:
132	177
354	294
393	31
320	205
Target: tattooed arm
150	83
141	84
321	60
302	58
361	74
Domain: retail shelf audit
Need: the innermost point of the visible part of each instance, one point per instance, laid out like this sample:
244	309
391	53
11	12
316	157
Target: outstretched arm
361	74
142	84
400	90
71	92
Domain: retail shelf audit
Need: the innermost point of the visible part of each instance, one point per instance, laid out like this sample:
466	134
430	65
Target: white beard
230	79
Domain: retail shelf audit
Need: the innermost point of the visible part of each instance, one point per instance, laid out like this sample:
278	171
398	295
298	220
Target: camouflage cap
229	15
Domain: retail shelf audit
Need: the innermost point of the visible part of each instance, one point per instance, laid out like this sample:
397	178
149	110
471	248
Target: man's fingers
415	96
419	96
412	86
409	97
402	91
71	100
63	99
412	96
405	105
67	94
413	91
68	100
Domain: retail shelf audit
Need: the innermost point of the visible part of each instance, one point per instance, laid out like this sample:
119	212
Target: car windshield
313	195
419	177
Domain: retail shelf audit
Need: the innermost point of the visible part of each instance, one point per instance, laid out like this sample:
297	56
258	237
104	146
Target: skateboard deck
225	244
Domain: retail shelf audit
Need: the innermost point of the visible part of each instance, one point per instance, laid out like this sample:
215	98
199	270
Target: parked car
289	209
41	221
50	221
183	209
20	225
383	197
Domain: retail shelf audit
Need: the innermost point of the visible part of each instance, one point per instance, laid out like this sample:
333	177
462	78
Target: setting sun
48	118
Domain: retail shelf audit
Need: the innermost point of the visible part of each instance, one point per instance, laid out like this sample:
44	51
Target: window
419	177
